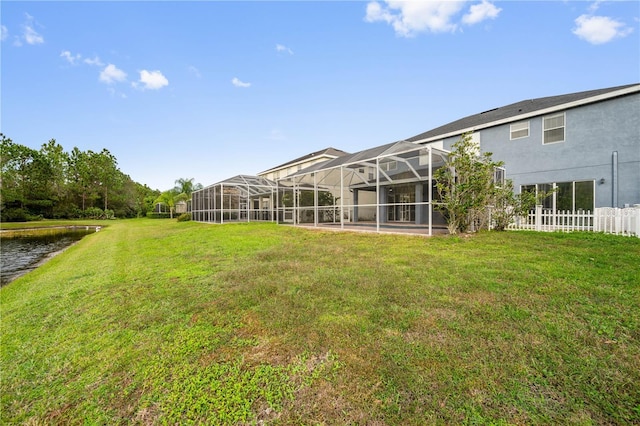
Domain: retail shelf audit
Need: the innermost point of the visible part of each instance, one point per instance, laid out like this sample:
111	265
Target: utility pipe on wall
614	179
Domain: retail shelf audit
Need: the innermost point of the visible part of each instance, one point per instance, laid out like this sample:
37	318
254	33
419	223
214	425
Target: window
565	196
519	130
389	166
498	176
548	202
584	195
553	129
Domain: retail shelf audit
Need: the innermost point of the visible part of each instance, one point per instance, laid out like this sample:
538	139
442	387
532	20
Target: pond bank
25	249
27	231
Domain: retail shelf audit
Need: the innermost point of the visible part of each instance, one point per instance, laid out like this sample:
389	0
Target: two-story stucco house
585	144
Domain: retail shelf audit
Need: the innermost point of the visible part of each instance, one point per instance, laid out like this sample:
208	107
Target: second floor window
519	130
553	128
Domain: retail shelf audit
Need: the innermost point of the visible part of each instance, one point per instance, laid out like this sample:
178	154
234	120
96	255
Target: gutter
569	105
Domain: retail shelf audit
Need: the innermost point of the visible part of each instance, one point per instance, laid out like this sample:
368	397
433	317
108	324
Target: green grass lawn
159	322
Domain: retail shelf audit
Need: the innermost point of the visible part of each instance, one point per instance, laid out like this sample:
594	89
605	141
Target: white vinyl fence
604	219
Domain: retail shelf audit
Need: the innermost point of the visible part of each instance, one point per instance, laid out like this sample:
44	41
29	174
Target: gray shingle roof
327	151
512	111
366	155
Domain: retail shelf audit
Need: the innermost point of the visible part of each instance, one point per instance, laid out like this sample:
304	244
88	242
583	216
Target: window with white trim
388	166
573	196
519	130
553	128
499	176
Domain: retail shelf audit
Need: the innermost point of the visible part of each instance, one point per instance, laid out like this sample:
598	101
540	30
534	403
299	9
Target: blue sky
209	90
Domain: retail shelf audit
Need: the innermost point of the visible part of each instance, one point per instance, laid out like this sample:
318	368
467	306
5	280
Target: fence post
538	217
489	210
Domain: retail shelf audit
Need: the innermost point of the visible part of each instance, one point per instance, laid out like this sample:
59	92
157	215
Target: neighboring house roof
245	180
364	156
523	110
328	152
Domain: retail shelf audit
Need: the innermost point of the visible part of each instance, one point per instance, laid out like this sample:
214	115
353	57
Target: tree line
54	184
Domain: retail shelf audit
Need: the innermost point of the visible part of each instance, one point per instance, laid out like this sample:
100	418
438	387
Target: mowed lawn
160	322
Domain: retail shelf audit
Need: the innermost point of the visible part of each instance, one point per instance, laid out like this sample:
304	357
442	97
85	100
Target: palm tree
186	186
171	198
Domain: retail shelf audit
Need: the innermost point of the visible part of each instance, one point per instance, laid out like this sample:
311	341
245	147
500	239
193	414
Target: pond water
23	251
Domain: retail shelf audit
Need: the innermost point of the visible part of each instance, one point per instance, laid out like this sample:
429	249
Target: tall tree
105	172
58	161
145	198
79	175
15	164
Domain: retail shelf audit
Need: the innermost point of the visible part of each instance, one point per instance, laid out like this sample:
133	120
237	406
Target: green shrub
184	217
154	215
14	215
93	213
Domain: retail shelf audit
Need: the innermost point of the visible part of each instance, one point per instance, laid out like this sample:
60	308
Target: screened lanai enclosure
238	199
389	188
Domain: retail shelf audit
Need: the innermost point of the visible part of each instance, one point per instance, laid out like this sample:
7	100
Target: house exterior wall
593	133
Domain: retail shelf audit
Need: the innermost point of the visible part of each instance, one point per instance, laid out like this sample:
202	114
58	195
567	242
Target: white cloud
152	80
282	48
94	61
599	29
70	57
480	12
411	17
30	35
236	82
594	6
5	33
111	74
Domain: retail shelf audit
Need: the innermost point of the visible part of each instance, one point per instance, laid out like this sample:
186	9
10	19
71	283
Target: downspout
614	179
